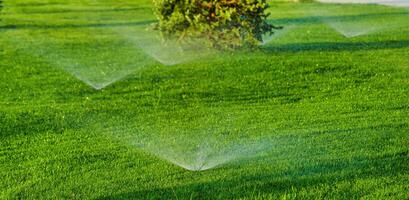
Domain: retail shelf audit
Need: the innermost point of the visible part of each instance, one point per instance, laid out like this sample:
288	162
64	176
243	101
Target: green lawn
312	115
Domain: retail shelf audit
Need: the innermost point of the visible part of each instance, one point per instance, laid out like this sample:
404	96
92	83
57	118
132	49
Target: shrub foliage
224	24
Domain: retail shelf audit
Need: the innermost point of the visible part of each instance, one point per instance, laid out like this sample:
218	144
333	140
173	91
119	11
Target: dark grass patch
338	46
1	9
76	26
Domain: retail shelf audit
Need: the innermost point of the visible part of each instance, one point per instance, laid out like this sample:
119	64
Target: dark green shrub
223	24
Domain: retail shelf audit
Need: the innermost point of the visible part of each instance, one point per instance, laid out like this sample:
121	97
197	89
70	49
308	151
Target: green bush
223	24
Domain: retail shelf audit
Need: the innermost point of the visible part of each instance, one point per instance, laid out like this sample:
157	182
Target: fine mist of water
196	138
267	38
108	55
353	30
395	3
166	52
102	55
206	152
101	59
357	18
199	153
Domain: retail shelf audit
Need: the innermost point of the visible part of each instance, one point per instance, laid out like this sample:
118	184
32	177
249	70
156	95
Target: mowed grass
338	108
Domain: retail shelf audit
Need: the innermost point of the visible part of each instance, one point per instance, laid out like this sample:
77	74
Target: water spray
356	19
395	3
198	141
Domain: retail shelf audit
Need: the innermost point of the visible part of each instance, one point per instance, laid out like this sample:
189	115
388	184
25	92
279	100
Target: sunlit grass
333	110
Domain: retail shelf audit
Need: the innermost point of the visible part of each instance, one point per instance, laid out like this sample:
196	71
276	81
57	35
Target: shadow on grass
68	26
337	46
86	11
306	178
